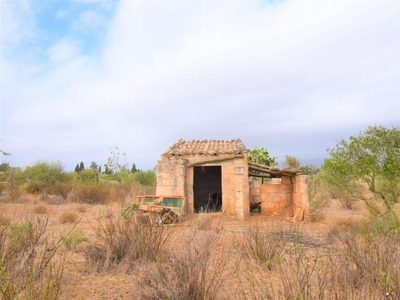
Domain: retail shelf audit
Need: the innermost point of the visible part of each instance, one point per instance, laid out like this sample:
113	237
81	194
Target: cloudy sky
80	77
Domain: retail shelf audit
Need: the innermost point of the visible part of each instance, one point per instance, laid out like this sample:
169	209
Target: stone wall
301	205
175	177
171	177
276	197
287	196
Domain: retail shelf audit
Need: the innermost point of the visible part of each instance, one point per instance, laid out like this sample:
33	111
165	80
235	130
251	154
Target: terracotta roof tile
205	147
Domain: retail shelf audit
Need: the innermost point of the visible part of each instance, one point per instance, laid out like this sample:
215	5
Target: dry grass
4	220
40	209
123	242
197	270
81	209
345	257
264	247
69	217
29	268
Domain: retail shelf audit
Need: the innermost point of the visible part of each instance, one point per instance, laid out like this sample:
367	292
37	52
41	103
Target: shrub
302	275
4	221
92	193
43	176
146	178
76	237
81	209
366	268
62	189
69	217
56	200
261	246
124	242
196	270
29	269
88	175
14	183
40	209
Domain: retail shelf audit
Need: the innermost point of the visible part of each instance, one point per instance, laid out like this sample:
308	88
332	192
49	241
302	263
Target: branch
5	153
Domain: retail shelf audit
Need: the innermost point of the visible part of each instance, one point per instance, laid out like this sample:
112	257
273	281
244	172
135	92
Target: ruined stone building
215	176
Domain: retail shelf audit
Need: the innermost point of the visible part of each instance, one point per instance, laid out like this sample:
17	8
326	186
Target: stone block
269	208
269	188
286	188
286	180
255	192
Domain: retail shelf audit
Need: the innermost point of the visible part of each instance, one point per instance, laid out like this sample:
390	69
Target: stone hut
215	176
211	174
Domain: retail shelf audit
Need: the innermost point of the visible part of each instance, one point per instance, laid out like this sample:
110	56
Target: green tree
77	169
292	162
81	166
261	156
43	176
372	156
133	169
4	167
309	169
93	165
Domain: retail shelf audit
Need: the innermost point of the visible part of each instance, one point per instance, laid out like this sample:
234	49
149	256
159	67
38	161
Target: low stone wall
287	196
301	204
276	196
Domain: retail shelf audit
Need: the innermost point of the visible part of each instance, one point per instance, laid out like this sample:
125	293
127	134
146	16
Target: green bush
146	178
43	176
92	192
88	175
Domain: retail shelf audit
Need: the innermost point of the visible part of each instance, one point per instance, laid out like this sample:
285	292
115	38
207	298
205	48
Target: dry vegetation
70	250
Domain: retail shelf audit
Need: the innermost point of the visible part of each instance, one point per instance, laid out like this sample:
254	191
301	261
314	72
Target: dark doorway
207	188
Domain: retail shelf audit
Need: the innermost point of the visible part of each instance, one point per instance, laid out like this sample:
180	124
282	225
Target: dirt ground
77	283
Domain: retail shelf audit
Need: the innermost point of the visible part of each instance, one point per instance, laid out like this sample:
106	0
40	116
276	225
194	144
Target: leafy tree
77	169
133	169
261	156
372	156
4	167
309	169
93	165
292	162
81	166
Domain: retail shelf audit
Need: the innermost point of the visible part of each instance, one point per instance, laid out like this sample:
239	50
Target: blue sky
80	77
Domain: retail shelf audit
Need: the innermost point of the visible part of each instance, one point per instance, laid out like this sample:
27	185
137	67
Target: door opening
207	188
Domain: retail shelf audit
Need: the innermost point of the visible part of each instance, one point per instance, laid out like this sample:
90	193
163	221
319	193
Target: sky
79	78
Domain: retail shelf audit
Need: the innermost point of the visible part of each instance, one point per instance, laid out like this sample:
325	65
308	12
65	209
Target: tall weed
255	243
196	270
123	242
29	268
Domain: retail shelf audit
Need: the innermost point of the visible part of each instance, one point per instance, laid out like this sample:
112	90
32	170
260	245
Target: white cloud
61	13
64	49
89	20
280	76
17	22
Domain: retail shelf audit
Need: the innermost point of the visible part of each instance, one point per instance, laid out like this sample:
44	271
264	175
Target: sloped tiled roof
205	147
